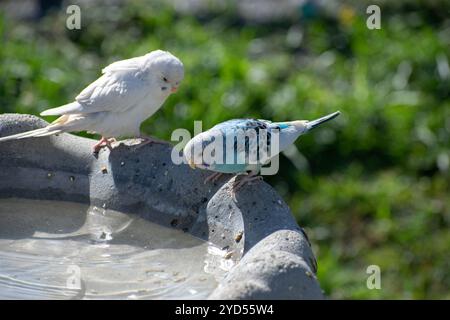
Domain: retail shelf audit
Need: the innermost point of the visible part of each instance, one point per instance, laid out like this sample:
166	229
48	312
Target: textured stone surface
275	260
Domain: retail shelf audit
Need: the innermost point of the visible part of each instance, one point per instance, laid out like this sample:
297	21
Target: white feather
128	92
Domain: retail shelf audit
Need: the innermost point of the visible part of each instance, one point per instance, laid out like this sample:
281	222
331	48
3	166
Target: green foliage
370	188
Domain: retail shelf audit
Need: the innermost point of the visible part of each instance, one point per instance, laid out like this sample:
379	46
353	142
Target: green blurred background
372	187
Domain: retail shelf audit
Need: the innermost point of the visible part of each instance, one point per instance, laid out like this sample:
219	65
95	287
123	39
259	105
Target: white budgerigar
202	151
115	105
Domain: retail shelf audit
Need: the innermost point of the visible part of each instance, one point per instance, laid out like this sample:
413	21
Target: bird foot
248	179
213	177
104	142
148	140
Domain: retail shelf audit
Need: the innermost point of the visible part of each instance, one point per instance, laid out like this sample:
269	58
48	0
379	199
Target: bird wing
252	129
245	124
120	87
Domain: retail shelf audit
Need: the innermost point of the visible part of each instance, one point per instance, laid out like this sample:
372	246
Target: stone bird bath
273	256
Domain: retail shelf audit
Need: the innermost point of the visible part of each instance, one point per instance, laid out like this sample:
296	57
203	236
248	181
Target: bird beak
314	123
192	164
174	89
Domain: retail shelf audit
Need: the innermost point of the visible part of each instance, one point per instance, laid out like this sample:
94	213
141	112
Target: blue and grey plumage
287	132
229	130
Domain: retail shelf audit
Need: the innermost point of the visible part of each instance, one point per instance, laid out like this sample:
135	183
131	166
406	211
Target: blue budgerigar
243	146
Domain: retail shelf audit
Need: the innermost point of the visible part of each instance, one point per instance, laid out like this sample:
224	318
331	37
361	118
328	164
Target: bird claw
104	142
148	140
213	177
248	179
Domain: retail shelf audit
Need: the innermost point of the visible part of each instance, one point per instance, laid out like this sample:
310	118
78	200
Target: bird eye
165	79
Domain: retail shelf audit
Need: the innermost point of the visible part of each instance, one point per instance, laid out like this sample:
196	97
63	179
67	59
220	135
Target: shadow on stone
273	257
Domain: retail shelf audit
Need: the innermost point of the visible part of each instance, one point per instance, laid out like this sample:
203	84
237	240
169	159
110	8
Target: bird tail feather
42	132
57	126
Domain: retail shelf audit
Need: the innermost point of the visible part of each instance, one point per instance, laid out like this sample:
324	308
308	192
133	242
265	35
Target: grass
370	188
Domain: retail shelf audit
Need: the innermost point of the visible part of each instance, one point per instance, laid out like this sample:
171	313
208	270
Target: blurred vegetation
370	188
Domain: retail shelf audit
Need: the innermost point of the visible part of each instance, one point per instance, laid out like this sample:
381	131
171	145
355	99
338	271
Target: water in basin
62	250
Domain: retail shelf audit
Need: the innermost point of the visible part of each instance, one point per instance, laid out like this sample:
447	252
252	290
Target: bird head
188	154
194	150
167	70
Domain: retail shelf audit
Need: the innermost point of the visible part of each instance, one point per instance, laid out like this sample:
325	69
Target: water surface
63	250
